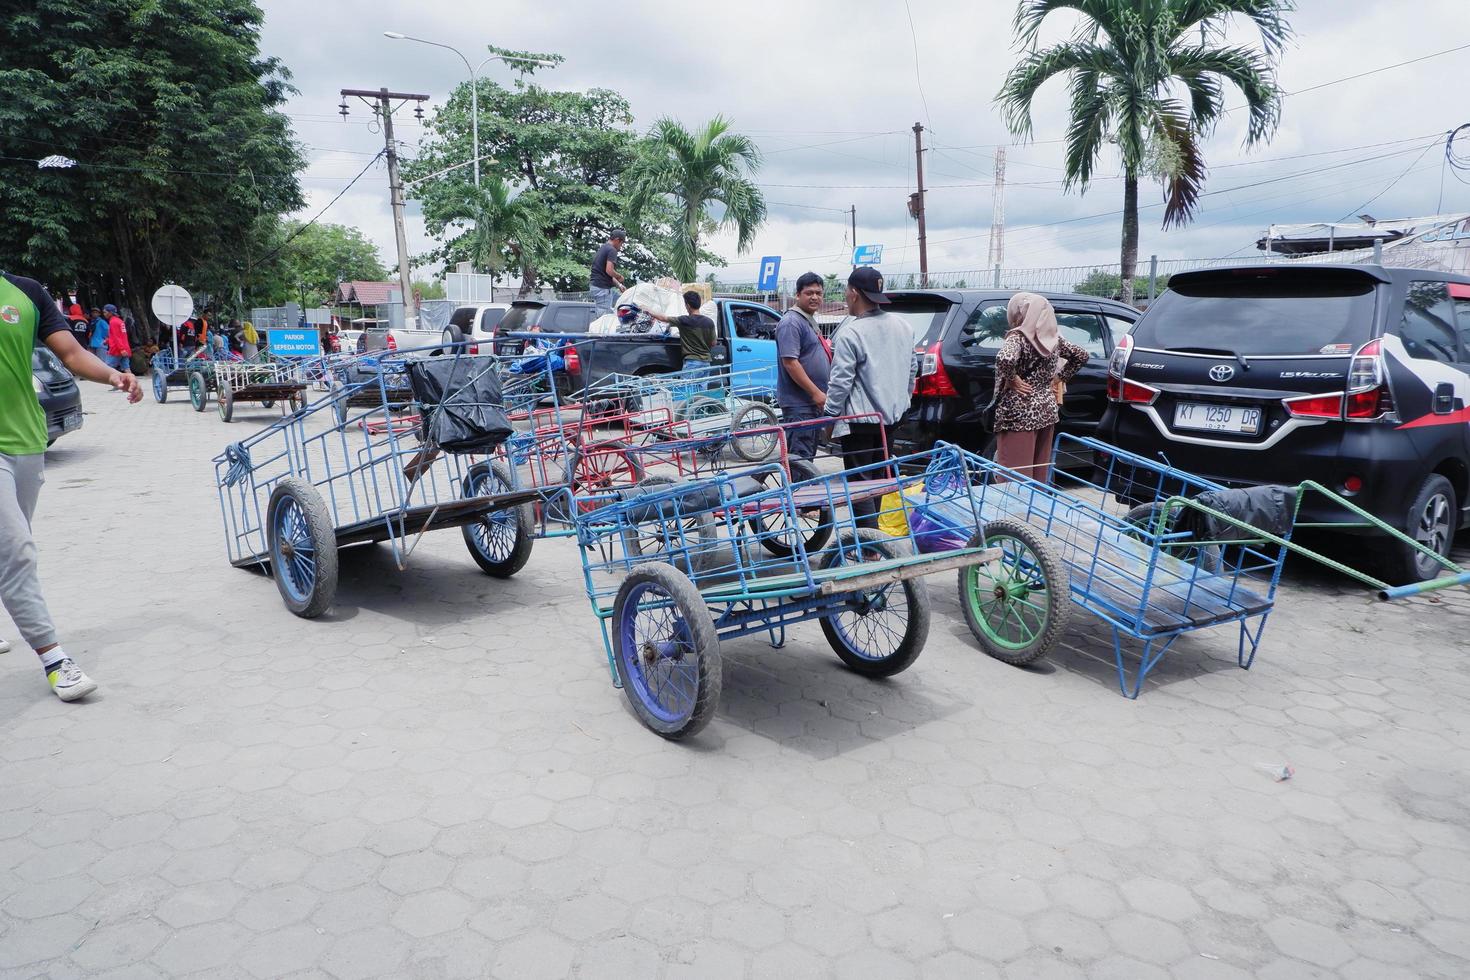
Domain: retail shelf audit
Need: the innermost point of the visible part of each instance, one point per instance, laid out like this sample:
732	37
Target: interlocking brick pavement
438	780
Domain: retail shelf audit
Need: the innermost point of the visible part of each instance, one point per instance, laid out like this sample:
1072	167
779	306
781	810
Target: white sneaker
68	681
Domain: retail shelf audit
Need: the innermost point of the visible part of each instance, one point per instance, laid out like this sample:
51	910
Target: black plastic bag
463	408
1267	508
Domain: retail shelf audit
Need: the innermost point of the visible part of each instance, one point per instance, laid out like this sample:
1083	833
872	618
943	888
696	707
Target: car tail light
392	344
1327	406
1368	396
1119	361
1352	485
1130	392
474	350
933	379
572	360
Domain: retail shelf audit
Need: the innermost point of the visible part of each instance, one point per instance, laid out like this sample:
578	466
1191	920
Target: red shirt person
119	351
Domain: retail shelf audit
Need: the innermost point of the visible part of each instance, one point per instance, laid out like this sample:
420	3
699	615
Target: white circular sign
173	305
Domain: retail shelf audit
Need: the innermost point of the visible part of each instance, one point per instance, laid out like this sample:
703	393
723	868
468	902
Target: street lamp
474	84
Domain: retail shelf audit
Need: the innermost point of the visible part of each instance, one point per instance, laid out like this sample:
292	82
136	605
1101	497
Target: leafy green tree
429	288
1100	282
1148	75
313	259
694	171
565	151
182	158
497	227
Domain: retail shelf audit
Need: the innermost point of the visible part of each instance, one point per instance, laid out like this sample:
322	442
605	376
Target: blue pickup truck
745	339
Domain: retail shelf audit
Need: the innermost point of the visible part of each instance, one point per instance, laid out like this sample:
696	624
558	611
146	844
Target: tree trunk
1129	258
528	280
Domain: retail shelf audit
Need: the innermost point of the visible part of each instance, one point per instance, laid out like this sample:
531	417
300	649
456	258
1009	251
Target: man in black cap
606	282
873	371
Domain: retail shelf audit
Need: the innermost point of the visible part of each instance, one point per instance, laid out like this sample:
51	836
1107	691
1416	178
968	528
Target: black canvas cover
463	410
1268	508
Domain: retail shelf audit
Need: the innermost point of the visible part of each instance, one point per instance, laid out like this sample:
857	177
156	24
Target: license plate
71	421
1236	419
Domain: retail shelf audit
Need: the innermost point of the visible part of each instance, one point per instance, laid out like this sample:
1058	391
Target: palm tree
698	169
501	225
1144	73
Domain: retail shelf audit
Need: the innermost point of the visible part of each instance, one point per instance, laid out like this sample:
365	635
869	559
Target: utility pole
384	108
998	212
917	206
853	210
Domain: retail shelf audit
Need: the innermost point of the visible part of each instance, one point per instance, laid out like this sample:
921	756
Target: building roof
365	292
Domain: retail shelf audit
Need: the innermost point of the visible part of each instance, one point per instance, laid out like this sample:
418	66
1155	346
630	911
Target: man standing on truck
801	384
607	283
873	371
696	332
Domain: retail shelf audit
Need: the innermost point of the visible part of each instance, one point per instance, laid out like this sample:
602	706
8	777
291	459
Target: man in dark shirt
696	332
801	384
607	283
28	318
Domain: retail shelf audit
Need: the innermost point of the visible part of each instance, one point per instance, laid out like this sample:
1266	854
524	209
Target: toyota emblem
1222	373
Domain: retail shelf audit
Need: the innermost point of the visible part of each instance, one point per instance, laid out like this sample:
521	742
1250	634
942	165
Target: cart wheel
339	407
1018	606
160	386
753	448
1147	516
198	391
607	466
881	631
667	653
499	542
298	401
268	403
226	399
690	539
814	525
704	407
303	547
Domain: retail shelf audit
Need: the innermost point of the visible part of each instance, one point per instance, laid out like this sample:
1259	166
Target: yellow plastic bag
892	516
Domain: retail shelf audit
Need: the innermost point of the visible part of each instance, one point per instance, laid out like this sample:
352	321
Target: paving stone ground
437	779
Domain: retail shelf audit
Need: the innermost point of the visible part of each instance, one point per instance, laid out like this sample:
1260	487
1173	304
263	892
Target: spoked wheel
760	445
297	402
704	407
608	466
1150	518
882	630
680	541
226	400
813	528
500	542
666	651
303	548
1018	606
160	386
198	391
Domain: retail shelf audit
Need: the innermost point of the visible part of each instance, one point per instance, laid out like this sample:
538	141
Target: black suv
548	316
1354	376
957	334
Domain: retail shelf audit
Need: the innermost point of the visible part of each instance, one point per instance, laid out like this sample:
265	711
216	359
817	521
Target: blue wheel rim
876	632
656	648
158	385
294	557
494	534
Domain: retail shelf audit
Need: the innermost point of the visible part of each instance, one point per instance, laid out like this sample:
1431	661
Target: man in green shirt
28	317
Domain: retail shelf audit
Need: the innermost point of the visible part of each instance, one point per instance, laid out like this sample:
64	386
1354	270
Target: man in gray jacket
873	371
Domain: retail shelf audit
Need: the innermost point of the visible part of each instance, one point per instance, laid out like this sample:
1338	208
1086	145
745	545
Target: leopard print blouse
1015	412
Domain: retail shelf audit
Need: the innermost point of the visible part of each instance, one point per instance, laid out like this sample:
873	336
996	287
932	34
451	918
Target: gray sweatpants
20	584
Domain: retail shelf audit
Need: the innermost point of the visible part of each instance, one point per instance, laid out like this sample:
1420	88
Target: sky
830	90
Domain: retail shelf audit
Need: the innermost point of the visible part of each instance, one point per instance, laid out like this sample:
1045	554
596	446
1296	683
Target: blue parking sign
867	255
770	274
294	343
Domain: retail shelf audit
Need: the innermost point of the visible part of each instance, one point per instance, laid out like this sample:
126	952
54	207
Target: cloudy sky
831	88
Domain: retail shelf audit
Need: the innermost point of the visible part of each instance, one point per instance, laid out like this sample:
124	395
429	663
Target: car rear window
521	318
1262	315
926	315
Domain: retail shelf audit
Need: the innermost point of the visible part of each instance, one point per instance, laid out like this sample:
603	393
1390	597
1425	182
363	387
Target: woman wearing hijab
1031	372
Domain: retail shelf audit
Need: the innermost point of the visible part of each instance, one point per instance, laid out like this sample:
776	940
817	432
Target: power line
292	236
1364	206
919	81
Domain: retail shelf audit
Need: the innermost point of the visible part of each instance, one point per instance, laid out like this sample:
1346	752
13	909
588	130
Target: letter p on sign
770	273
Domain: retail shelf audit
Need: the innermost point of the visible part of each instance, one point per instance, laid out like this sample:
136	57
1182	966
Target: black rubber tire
296	402
702	406
705	648
768	530
525	520
198	391
268	403
1402	565
1146	516
701	527
1055	579
226	398
324	541
754	416
340	409
453	336
875	544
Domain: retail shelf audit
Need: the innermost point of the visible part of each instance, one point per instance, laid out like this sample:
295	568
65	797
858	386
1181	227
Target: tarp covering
463	409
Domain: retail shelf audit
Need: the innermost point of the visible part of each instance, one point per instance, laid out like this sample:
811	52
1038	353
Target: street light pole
474	85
